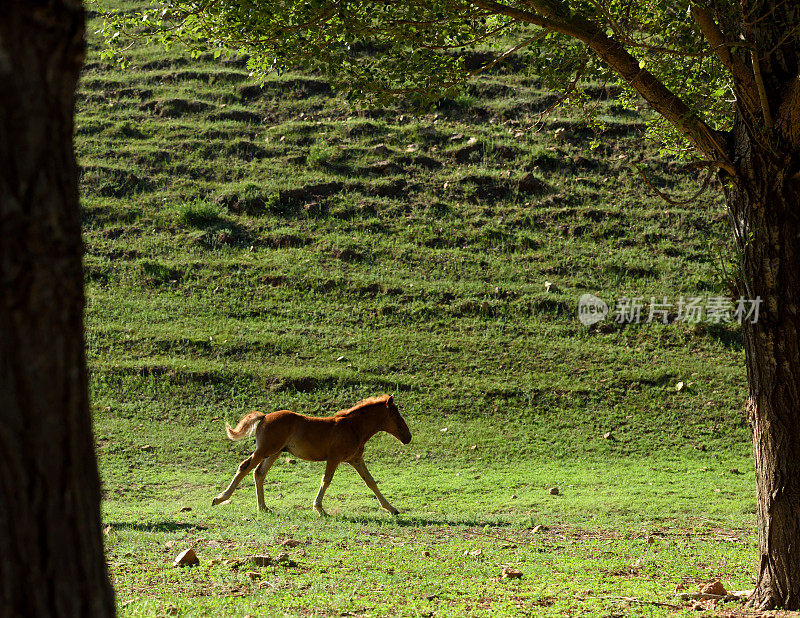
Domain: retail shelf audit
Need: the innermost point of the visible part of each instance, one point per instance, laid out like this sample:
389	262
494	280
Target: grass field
267	248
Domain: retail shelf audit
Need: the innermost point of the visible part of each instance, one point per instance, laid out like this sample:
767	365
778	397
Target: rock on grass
186	558
714	588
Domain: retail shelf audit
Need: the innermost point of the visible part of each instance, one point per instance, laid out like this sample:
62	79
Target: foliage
421	50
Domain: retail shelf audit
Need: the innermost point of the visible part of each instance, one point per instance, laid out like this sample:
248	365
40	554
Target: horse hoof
215	502
320	511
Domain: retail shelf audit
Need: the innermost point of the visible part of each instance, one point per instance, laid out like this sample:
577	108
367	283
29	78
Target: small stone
285	560
531	184
473	447
511	573
538	528
383	167
186	558
680	386
714	588
554	491
147	448
608	435
291	543
186	509
262	560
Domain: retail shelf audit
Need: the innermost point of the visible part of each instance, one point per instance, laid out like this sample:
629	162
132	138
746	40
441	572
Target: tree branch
743	77
762	91
670	200
709	142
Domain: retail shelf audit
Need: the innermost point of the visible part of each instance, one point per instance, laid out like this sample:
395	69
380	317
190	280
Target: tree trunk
51	551
766	209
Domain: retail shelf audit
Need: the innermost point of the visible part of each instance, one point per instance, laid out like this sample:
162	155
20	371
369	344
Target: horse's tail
245	427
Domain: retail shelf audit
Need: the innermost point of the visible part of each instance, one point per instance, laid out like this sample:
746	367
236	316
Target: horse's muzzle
405	440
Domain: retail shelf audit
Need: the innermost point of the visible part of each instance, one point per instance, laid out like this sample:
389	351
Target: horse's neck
371	420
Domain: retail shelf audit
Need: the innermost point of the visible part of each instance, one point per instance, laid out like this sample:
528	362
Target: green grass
616	531
267	248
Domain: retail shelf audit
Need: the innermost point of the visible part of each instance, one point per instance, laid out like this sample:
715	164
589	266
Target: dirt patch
382	168
307	192
284	241
237	115
174	108
113	182
248	151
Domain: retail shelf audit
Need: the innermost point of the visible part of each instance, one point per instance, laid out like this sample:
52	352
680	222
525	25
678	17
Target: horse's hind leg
244	468
330	468
258	476
361	468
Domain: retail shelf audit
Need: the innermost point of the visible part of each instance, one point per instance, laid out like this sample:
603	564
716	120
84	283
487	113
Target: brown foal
333	439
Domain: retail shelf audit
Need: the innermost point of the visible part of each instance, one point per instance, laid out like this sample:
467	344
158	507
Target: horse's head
396	424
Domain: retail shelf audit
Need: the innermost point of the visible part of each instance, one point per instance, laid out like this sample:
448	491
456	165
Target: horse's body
334	439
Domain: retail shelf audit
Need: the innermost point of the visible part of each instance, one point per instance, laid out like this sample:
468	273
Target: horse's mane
364	403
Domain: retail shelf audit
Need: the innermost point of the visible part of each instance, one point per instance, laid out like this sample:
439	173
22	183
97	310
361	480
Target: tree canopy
690	60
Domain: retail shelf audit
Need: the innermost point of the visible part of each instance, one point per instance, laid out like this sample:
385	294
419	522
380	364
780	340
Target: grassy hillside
271	247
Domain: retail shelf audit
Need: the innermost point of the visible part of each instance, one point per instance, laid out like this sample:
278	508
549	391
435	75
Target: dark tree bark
768	203
51	553
765	204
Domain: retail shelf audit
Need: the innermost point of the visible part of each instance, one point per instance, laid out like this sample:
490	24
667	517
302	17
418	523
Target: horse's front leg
244	467
361	468
330	468
259	474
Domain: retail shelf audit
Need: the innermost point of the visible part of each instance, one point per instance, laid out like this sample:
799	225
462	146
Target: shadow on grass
155	526
726	335
420	521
